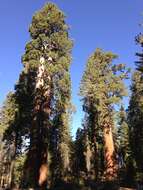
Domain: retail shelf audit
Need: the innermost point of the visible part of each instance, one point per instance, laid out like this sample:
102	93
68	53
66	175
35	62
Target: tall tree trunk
109	154
96	159
44	140
2	180
88	155
10	180
32	163
36	165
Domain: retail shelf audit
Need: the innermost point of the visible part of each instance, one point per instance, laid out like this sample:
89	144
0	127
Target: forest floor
77	188
89	186
96	187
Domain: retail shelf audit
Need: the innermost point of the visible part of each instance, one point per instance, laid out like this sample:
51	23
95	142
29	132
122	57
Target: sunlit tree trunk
88	155
10	180
45	111
2	180
109	154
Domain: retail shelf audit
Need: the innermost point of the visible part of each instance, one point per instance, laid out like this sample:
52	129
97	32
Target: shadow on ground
91	186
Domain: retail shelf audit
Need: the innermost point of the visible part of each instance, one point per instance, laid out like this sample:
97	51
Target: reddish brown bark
109	153
36	166
43	167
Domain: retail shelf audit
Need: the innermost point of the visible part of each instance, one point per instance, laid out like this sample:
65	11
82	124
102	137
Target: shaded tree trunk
32	164
44	139
96	159
36	165
11	167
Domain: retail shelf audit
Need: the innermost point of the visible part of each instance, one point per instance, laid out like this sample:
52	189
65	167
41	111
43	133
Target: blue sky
108	24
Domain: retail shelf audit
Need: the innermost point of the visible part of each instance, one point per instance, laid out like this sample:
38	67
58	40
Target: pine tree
135	115
61	139
102	85
124	149
123	134
43	87
9	140
18	169
139	63
92	141
79	163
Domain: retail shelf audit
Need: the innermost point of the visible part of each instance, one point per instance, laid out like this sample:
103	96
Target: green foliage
102	77
102	83
8	136
102	87
8	111
123	132
139	63
49	39
135	115
8	122
126	161
50	42
18	169
35	122
80	149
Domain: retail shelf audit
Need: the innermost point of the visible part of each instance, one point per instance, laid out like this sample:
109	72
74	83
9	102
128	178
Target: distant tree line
36	146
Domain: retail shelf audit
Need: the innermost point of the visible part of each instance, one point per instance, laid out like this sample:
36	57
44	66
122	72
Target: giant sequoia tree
43	94
36	149
101	87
